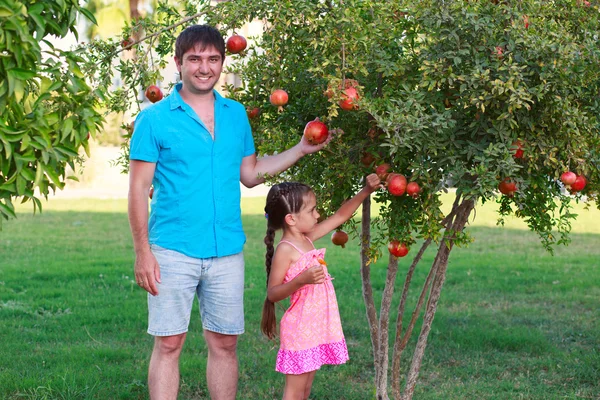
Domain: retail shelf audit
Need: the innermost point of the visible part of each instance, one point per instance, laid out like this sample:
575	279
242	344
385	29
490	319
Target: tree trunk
384	322
446	245
367	290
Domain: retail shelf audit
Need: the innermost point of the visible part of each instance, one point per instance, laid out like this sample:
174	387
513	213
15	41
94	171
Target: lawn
514	322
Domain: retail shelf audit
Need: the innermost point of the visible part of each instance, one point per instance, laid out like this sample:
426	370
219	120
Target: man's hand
308	148
147	272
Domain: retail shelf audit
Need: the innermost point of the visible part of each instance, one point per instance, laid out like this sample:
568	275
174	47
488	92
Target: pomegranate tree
454	112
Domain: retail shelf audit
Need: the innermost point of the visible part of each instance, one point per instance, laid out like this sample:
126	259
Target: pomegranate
413	189
236	44
499	51
526	21
316	132
349	97
339	238
507	187
517	149
151	192
348	83
253	112
153	93
397	249
279	98
568	178
126	43
579	184
367	159
382	171
396	184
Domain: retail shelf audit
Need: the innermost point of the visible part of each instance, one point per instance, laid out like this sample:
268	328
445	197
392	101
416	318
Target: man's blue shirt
195	208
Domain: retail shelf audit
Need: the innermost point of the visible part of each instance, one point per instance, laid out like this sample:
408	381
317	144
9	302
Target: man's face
200	69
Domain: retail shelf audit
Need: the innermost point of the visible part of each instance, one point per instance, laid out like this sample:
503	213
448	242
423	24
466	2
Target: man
195	147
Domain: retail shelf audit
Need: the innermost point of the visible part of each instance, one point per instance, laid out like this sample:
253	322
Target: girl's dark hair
203	35
283	199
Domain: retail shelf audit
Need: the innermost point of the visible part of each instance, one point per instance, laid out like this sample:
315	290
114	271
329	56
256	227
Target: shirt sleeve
144	145
248	139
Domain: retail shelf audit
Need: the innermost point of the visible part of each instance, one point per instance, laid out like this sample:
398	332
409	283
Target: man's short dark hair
203	35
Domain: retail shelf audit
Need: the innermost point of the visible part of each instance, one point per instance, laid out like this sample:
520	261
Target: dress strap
291	244
310	241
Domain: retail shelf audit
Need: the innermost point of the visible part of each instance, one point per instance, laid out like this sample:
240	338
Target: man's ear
290	220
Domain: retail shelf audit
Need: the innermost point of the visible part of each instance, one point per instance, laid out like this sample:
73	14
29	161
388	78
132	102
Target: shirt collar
177	101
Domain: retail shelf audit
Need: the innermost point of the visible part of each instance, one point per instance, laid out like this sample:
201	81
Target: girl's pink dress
310	330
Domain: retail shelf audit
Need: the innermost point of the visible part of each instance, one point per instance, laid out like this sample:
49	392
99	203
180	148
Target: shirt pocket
171	149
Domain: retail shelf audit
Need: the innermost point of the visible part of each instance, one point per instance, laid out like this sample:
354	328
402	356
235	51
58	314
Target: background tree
47	108
461	96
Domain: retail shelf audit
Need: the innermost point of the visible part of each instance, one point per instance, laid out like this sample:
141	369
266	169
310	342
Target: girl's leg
308	386
295	386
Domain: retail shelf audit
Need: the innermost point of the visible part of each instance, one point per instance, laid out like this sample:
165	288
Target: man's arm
146	268
253	170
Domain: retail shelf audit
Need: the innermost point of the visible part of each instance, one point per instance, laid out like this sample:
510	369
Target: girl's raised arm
346	211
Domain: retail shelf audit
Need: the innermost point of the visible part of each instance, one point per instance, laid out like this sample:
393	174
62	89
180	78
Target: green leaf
8	211
21	73
88	14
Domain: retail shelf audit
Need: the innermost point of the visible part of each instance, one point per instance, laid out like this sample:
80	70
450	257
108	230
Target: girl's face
307	217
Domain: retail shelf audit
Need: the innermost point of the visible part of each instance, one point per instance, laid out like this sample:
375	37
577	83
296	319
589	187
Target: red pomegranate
413	189
507	187
236	44
579	184
349	97
397	249
153	93
339	238
382	171
316	132
279	98
396	184
568	178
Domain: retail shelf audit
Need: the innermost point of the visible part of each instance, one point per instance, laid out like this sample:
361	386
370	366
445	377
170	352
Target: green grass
513	322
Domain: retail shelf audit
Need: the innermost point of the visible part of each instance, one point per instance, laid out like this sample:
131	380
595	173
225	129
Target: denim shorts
218	282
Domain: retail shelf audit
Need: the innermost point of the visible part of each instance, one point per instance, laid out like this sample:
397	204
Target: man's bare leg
222	365
163	373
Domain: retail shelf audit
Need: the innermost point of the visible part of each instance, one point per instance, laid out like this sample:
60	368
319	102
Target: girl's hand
312	275
373	183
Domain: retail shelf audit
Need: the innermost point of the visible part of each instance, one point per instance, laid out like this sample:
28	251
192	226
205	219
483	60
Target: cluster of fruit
573	182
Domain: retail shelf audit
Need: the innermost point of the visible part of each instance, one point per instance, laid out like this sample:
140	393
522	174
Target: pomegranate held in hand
279	98
397	249
236	44
316	132
339	238
153	93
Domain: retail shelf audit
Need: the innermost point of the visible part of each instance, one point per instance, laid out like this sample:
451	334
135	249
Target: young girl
310	332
